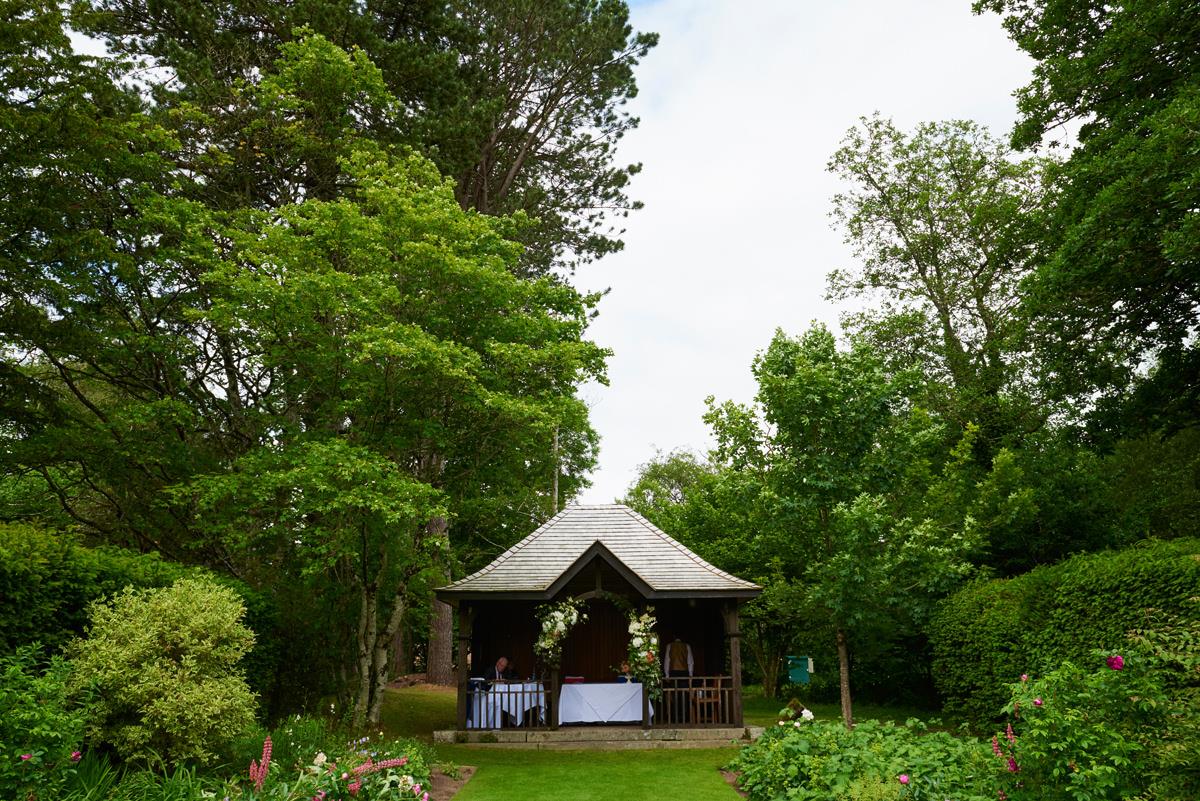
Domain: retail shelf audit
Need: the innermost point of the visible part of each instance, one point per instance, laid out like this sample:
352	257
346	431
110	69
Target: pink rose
76	756
1024	677
26	757
1037	701
1116	662
904	778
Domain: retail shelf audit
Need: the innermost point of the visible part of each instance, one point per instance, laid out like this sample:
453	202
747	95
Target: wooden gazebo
612	559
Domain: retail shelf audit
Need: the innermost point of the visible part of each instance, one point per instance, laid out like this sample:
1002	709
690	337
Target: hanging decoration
557	620
643	656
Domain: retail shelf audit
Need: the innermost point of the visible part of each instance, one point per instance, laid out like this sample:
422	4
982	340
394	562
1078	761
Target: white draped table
515	698
600	703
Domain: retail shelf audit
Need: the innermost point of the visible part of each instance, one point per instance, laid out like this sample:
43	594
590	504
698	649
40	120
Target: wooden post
466	617
554	694
734	635
645	708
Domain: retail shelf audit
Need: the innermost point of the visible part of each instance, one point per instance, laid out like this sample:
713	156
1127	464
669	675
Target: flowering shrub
366	769
808	760
557	620
643	654
40	732
1126	725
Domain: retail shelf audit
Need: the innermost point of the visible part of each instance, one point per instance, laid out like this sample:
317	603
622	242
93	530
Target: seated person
625	676
500	671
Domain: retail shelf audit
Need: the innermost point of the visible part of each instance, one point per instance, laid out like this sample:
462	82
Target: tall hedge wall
47	581
989	633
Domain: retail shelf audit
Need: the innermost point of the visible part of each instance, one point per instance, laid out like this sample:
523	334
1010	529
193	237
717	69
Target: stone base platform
601	738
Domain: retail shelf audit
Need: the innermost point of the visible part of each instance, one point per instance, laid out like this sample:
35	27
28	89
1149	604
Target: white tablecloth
516	699
600	703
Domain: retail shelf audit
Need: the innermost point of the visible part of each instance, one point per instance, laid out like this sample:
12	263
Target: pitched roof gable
539	565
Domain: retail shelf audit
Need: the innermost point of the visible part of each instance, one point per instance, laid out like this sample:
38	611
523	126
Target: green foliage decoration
555	621
990	632
163	665
41	731
642	653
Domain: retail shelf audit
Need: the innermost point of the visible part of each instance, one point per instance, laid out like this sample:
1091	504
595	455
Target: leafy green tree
403	356
198	348
1117	291
103	380
830	439
946	222
519	101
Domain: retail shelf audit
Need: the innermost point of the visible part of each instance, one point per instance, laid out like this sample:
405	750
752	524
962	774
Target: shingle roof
534	565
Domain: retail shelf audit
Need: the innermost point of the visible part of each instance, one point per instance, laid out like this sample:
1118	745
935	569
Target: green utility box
799	669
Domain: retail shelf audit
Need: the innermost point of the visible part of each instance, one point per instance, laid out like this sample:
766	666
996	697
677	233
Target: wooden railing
686	701
503	706
696	701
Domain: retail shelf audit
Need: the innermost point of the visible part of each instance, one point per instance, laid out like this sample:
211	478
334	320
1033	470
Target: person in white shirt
677	659
677	663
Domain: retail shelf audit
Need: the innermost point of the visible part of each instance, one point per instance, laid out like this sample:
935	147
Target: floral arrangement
557	620
643	654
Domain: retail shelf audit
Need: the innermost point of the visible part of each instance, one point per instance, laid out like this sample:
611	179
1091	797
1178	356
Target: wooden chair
706	701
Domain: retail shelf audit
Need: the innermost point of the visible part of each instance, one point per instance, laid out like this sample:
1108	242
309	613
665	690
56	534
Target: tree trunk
367	626
844	677
439	661
381	653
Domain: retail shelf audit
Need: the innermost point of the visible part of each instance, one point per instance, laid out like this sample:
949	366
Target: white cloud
741	106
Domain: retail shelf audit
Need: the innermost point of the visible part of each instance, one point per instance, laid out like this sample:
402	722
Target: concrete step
602	737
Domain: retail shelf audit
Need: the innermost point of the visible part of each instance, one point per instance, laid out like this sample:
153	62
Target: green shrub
164	667
825	761
1125	725
40	731
47	582
987	634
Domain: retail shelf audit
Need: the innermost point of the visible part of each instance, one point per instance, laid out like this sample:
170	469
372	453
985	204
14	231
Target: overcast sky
741	105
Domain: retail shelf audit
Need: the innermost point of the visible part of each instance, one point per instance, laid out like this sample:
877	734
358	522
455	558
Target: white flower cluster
557	620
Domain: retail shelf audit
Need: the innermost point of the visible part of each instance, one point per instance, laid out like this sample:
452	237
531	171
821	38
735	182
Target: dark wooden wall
595	648
503	628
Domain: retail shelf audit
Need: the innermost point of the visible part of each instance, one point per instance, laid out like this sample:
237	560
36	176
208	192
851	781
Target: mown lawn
654	775
658	775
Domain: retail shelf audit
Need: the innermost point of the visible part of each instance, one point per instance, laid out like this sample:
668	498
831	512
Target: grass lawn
653	775
658	775
505	774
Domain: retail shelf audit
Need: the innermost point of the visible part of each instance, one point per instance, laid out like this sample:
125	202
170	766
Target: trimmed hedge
47	581
989	633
